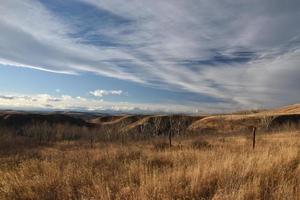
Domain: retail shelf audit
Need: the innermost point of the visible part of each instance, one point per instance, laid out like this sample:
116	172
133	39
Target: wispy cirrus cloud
239	52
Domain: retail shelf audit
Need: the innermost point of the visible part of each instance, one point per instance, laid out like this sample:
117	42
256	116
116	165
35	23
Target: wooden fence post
170	130
92	137
254	134
170	138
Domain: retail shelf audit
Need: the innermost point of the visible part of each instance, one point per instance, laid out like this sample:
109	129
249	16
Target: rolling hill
160	124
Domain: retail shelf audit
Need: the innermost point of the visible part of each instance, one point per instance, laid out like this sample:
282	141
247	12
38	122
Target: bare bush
201	144
160	145
266	121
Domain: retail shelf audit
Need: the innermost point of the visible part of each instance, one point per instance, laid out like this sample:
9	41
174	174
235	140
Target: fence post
91	138
254	134
170	138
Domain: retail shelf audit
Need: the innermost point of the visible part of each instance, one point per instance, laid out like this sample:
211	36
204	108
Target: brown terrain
158	124
94	156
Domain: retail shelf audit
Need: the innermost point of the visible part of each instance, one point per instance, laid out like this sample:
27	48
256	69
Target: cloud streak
237	51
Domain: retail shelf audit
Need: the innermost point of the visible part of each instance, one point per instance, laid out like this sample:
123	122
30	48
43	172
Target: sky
179	56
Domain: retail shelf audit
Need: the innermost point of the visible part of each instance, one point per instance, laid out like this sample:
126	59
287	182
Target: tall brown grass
203	167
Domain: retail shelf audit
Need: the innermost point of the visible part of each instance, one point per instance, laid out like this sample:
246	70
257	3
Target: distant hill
290	109
16	120
244	121
160	124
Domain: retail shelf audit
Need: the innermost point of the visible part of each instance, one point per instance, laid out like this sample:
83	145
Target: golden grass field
196	167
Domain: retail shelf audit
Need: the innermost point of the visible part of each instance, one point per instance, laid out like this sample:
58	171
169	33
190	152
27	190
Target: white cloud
101	93
164	35
66	102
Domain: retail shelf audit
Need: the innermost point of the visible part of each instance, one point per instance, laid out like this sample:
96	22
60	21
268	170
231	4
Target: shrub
160	145
201	144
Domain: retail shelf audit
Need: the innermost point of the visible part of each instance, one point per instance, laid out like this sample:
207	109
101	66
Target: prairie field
195	167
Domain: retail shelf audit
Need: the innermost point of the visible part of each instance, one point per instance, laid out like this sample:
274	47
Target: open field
55	156
196	167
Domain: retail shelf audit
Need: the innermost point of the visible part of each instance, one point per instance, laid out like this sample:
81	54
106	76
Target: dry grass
210	168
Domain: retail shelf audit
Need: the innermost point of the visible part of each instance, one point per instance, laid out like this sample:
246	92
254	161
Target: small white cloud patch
101	93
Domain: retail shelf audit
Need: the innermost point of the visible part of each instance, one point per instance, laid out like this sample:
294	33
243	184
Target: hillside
161	124
290	109
17	120
242	122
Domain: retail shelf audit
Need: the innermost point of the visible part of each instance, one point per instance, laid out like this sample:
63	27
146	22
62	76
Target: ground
195	167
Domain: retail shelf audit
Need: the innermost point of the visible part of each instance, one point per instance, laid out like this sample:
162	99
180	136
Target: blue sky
164	56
